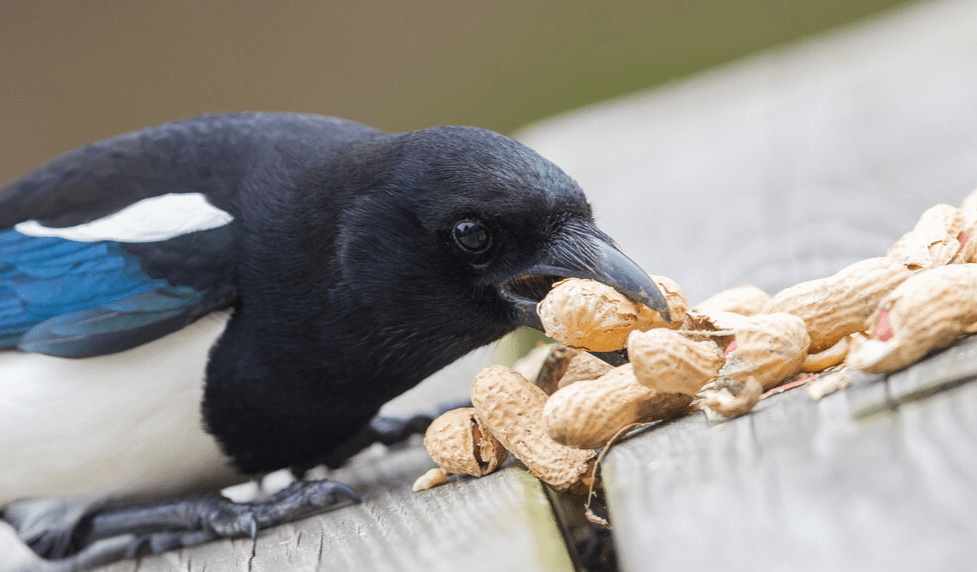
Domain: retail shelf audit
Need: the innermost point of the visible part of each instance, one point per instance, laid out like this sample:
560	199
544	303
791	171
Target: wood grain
499	522
803	485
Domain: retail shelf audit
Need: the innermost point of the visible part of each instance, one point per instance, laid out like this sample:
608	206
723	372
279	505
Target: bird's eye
472	236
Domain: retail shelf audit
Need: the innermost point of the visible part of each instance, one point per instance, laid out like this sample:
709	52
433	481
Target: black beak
582	251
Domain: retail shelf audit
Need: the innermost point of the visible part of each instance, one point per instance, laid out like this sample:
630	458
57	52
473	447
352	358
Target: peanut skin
512	409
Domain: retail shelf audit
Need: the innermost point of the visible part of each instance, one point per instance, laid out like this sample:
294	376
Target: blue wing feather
77	299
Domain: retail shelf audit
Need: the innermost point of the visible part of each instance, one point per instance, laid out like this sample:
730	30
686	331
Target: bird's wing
114	245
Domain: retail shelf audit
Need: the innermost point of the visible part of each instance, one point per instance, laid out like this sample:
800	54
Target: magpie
190	305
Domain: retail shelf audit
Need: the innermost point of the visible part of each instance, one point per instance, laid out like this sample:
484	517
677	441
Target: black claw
343	490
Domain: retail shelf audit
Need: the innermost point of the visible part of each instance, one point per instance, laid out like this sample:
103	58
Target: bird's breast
125	424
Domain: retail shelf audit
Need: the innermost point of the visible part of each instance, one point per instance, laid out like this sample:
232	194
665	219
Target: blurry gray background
784	140
75	72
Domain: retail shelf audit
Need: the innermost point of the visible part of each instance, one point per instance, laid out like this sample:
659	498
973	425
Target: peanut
587	414
459	442
669	362
433	478
678	306
511	408
744	300
585	314
968	247
926	312
540	359
728	405
546	373
933	242
769	347
827	358
839	305
584	367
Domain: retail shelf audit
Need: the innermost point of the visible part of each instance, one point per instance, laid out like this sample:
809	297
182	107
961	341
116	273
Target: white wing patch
150	220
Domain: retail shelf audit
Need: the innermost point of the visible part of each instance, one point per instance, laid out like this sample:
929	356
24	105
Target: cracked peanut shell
511	408
934	241
769	347
926	312
459	443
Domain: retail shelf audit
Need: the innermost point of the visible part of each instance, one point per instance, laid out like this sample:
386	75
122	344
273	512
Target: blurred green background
74	72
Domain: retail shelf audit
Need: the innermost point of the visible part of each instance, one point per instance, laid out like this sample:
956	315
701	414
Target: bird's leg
191	521
384	430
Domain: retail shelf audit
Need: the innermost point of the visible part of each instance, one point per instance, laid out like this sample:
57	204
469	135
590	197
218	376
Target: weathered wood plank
499	522
799	485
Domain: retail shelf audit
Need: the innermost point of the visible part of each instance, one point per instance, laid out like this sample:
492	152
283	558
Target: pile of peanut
878	315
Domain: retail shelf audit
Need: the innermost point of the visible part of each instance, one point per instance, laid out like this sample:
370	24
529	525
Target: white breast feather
125	424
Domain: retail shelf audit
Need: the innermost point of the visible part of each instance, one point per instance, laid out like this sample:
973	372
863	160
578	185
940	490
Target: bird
189	305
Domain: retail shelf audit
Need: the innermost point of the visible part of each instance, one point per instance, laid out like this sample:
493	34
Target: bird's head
462	231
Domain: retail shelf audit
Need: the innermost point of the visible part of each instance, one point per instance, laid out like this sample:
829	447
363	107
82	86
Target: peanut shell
968	247
532	364
458	441
433	478
511	408
585	314
827	358
934	241
769	347
924	313
839	305
553	369
583	367
669	362
587	414
744	300
678	306
728	405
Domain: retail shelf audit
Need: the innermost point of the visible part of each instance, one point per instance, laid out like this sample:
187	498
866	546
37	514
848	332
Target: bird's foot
192	521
